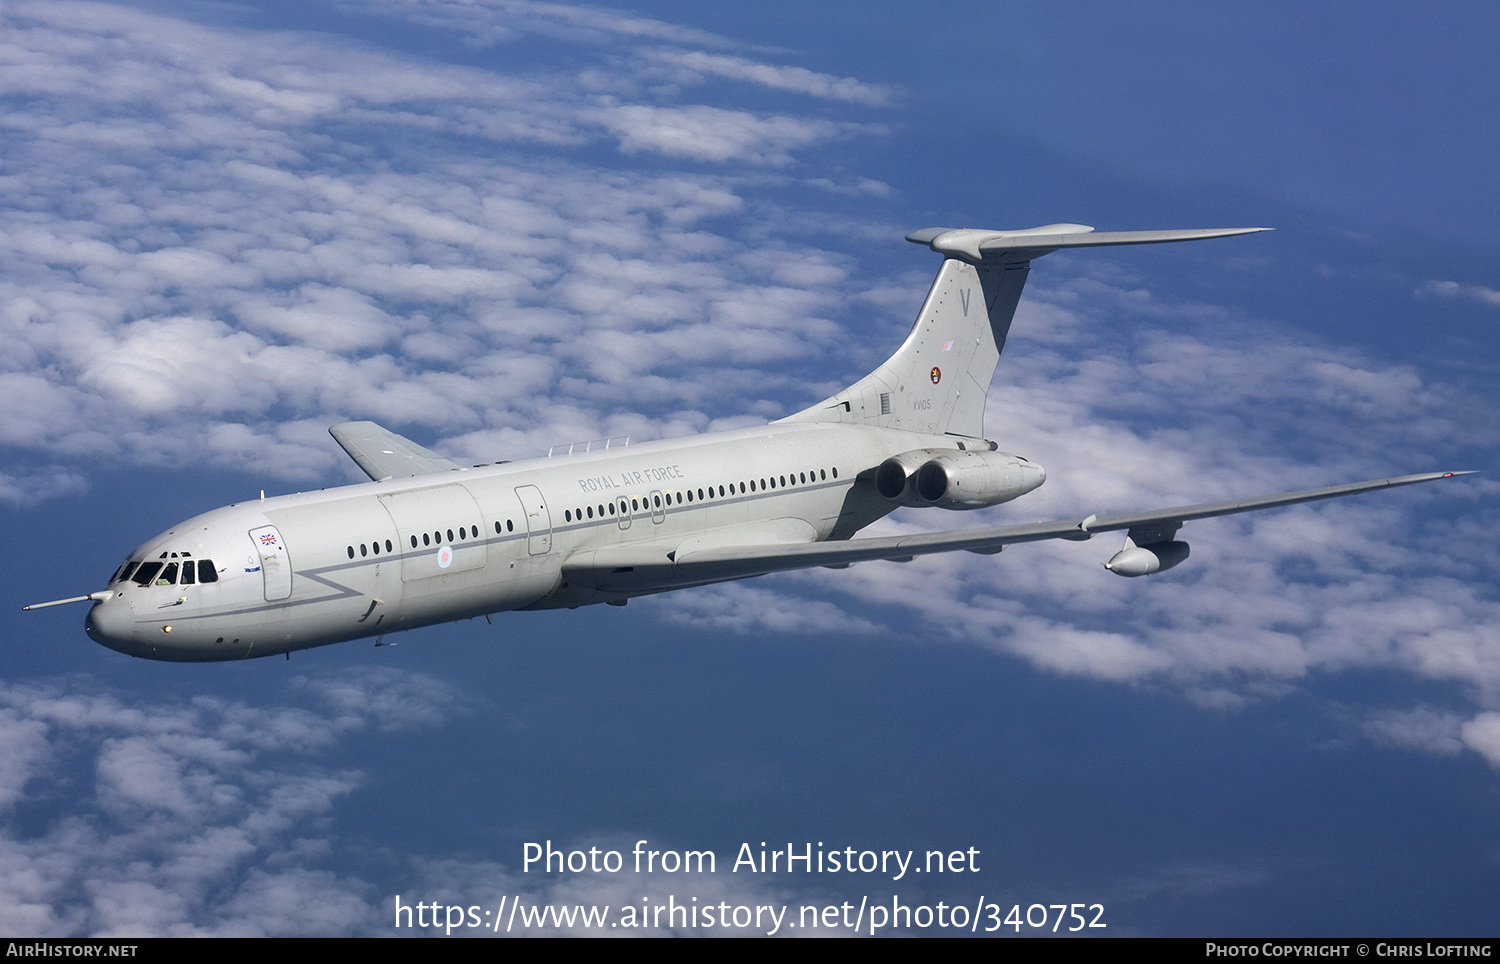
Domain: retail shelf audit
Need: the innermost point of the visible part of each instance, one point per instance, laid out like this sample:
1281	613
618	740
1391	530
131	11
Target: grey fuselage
378	557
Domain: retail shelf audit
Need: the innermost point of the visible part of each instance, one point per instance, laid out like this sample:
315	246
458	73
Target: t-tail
936	382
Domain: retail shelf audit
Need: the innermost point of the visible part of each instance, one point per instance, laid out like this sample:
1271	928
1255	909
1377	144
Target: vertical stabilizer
937	380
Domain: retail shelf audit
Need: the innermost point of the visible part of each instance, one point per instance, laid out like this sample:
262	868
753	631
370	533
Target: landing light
166	629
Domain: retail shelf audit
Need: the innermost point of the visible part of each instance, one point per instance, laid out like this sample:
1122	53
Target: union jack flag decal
269	539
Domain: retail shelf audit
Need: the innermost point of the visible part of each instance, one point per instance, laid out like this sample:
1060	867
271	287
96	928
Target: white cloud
1420	728
748	609
1453	289
187	818
209	251
495	21
1482	735
705	133
796	79
216	817
29	488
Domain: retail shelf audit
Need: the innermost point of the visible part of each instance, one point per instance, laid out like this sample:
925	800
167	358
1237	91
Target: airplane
428	541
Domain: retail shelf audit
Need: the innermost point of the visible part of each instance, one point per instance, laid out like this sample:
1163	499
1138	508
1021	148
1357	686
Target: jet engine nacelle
895	477
960	480
1144	560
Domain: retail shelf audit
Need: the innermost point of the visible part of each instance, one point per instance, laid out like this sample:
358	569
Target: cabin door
538	520
275	567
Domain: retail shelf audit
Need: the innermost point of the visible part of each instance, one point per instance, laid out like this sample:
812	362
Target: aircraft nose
112	623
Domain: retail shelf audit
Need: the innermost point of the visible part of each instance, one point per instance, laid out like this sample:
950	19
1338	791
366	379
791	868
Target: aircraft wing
636	568
385	455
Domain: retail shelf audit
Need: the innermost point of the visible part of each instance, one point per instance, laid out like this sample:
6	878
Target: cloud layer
200	817
215	817
210	252
219	241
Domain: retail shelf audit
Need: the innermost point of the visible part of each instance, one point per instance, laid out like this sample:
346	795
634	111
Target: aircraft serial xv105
427	541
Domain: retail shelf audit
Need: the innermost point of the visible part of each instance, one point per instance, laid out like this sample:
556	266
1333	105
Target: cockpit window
146	573
167	574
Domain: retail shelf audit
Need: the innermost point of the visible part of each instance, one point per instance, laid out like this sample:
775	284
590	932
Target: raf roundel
445	557
937	374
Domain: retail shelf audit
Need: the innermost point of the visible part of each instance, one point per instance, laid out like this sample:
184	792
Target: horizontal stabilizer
980	245
383	454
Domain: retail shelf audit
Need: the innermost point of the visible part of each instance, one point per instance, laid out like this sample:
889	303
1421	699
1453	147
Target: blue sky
500	226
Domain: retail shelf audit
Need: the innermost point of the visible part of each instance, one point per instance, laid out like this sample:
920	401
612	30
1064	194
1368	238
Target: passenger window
206	571
388	545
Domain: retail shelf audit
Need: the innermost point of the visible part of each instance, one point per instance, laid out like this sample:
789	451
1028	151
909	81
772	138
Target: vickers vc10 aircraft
426	541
